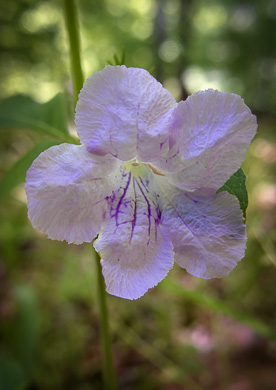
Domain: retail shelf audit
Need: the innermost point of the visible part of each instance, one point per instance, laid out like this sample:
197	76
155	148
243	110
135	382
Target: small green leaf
123	58
236	186
16	175
151	69
23	112
116	60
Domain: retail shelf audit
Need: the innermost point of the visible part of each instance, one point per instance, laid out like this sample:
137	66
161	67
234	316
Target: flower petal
213	131
207	231
136	249
66	189
124	112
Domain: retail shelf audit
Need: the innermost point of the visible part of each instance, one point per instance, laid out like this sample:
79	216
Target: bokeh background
186	333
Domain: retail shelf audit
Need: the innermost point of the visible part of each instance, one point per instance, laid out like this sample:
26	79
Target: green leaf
23	112
24	333
16	175
116	60
21	337
218	306
236	186
12	376
123	58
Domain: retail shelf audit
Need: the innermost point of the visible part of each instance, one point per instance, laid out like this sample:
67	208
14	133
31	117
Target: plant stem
109	378
71	21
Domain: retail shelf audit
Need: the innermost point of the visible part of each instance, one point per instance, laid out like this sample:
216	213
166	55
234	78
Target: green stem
109	378
71	21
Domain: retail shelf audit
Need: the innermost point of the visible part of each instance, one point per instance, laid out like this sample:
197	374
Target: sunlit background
186	333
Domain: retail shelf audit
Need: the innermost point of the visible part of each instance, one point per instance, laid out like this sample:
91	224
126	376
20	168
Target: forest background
187	333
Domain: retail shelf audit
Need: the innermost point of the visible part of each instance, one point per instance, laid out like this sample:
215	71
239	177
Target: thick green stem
71	20
109	377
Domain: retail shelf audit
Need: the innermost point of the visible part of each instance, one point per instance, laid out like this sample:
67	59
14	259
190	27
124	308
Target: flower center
138	168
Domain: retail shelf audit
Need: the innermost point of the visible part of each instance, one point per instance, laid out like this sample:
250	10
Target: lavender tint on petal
207	231
66	196
124	112
133	235
140	179
214	130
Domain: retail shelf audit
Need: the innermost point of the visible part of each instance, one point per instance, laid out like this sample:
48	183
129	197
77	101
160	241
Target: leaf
123	58
12	376
16	175
23	112
116	60
218	306
236	186
25	332
21	337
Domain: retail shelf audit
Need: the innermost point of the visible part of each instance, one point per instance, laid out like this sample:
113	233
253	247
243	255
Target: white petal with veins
66	191
136	249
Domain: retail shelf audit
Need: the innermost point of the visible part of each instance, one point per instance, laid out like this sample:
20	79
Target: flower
145	178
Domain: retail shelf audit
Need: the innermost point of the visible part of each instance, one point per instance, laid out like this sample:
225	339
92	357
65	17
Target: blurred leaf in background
21	336
23	112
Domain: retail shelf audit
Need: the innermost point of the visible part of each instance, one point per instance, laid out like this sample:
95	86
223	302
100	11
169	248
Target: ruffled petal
136	249
123	112
210	133
66	191
207	231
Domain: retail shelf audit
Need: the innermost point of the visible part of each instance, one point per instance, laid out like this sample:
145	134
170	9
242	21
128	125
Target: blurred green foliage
187	333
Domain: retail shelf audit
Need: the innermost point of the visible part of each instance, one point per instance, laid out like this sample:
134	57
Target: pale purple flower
145	179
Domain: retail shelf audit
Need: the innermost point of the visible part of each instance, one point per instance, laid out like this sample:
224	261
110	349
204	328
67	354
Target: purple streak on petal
157	220
134	212
122	205
193	200
143	184
158	212
162	143
149	210
171	157
121	199
111	143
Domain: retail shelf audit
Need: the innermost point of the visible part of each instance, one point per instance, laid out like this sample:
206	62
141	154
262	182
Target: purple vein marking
149	210
143	184
111	143
121	199
162	143
169	158
134	212
157	220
